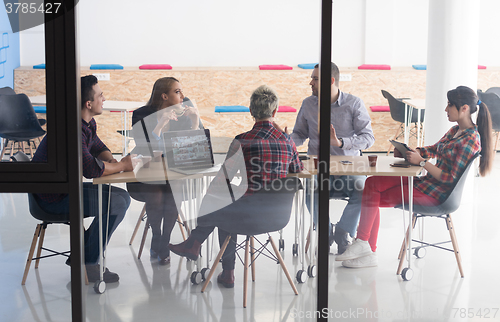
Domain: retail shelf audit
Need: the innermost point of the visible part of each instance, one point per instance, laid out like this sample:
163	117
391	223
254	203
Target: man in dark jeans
97	161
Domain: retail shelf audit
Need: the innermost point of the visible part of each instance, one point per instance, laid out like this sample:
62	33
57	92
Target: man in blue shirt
350	133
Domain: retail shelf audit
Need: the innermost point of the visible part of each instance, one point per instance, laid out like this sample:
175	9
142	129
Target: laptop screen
190	149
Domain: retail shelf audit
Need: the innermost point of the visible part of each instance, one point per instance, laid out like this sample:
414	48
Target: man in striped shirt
97	161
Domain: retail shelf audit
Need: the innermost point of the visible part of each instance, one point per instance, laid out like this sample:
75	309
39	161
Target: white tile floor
148	292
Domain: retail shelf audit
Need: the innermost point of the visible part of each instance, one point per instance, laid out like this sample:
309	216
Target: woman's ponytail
484	128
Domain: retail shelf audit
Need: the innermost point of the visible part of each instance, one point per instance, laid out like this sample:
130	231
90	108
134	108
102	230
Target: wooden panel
209	87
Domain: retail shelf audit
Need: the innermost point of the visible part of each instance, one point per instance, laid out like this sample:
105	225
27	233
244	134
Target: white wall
250	33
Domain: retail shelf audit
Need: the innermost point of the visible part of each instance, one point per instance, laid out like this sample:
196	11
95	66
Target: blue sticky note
419	67
40	109
307	66
106	66
231	108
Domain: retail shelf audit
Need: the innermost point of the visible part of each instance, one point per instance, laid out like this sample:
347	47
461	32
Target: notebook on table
189	152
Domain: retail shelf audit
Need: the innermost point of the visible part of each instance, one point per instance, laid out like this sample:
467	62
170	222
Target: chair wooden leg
245	271
31	148
283	266
143	211
4	147
414	221
454	242
402	254
181	227
216	261
184	221
143	240
252	253
30	254
12	146
86	277
40	245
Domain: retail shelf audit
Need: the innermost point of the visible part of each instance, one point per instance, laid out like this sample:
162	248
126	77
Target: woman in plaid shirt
452	152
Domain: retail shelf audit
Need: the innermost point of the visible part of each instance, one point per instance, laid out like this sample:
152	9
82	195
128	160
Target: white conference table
359	165
155	173
124	107
419	105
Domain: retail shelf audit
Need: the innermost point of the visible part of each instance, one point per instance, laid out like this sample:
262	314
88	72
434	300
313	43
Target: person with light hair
266	153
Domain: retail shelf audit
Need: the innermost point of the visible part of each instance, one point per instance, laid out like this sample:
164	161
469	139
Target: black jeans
120	201
160	207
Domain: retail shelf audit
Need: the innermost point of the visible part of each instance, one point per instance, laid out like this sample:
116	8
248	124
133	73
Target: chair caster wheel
407	274
281	244
311	271
295	249
301	276
196	278
420	252
204	273
99	287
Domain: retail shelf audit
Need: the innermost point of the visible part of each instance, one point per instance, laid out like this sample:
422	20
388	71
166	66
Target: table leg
125	129
101	254
311	223
418	128
410	216
406	124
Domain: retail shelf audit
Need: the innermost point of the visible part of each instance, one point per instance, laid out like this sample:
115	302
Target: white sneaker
365	261
358	248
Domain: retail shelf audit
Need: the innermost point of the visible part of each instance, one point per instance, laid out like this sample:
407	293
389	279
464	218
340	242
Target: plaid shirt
92	146
268	154
452	156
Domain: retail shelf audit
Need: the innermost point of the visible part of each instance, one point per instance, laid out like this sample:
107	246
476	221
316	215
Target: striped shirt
453	155
92	146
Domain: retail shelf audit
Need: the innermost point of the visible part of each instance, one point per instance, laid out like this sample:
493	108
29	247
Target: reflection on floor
149	292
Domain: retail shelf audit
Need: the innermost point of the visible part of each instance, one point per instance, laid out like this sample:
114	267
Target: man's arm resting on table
125	165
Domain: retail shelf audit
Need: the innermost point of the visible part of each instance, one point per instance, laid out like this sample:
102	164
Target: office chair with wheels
47	219
397	108
19	123
492	100
261	213
443	211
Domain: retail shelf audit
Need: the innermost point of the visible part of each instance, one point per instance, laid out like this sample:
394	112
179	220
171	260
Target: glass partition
34	93
215	58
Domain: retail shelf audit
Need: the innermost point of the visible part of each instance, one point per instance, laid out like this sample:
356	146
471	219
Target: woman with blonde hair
166	110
